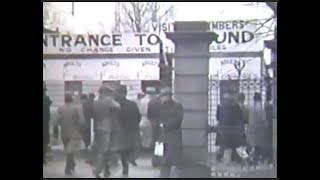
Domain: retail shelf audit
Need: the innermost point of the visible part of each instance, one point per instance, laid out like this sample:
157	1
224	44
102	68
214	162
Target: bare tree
135	16
265	27
51	18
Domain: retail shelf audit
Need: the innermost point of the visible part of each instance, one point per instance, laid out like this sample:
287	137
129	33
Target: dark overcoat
46	118
171	116
153	114
129	120
257	131
231	131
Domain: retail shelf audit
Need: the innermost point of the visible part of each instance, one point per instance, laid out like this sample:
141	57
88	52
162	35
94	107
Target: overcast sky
89	15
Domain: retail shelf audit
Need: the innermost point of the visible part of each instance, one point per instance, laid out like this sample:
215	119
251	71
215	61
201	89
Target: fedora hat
166	91
106	87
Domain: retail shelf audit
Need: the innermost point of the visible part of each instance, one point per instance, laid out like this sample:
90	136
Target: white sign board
236	36
53	70
100	69
224	68
129	43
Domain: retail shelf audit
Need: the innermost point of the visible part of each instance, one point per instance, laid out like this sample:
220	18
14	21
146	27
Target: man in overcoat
171	116
231	128
70	118
153	114
46	122
129	120
107	133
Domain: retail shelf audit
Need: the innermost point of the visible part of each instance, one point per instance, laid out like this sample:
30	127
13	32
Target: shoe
106	174
134	163
67	172
97	176
125	171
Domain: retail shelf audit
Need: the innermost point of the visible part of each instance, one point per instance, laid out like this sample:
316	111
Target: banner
100	69
226	68
130	43
52	70
236	36
74	70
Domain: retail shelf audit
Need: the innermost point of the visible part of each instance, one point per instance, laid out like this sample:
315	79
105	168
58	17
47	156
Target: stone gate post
192	40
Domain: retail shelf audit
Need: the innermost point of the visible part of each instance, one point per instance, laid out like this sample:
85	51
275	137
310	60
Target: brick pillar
192	41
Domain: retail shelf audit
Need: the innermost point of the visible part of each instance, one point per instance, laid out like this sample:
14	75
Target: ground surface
55	168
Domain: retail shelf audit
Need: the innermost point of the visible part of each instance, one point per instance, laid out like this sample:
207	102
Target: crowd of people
121	128
244	126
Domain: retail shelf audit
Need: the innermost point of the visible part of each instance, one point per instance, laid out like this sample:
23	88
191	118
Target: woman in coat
257	132
145	124
71	120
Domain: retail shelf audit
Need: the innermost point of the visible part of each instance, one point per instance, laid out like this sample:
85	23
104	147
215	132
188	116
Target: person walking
46	122
145	125
269	118
257	129
71	120
129	120
230	126
107	139
171	116
153	115
245	117
87	105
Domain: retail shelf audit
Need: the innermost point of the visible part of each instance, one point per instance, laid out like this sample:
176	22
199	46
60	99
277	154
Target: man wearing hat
171	116
153	115
70	118
46	118
231	132
129	119
107	128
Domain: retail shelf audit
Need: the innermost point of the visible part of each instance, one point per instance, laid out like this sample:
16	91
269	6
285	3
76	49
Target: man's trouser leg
124	160
165	171
106	165
220	153
257	155
45	147
155	135
100	164
70	164
235	156
87	134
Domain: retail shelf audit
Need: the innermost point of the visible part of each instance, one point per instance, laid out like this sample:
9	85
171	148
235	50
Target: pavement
55	168
231	170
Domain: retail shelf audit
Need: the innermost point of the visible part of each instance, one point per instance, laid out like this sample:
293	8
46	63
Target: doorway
74	88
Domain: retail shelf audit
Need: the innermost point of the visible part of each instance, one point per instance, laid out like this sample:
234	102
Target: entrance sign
236	36
101	69
101	43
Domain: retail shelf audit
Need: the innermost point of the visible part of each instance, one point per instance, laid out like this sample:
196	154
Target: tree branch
171	8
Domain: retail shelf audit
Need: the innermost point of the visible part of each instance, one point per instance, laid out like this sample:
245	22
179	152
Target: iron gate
247	86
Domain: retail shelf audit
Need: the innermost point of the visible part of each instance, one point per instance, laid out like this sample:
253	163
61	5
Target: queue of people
119	130
244	126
